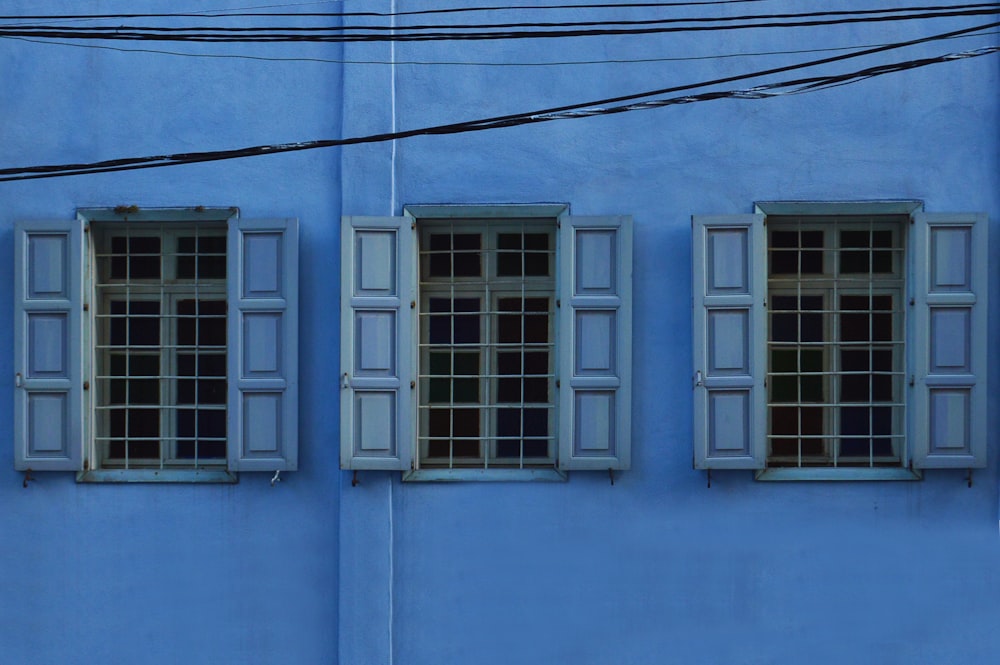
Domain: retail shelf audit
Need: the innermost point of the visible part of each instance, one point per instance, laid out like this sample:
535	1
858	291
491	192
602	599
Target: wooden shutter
48	345
947	411
595	342
730	345
376	375
263	345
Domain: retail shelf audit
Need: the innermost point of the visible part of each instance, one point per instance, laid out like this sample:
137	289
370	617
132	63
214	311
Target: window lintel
486	211
830	208
135	214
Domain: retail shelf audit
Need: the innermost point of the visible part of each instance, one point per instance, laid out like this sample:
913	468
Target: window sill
156	476
484	475
838	474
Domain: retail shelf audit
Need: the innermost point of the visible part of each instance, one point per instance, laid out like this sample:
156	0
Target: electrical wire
371	14
581	110
473	63
339	34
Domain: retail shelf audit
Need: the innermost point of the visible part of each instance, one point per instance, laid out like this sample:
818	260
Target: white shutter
262	409
48	352
376	376
595	342
947	412
730	345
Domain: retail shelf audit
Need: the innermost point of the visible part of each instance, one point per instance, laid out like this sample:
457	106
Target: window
486	367
486	343
839	341
156	345
160	352
835	341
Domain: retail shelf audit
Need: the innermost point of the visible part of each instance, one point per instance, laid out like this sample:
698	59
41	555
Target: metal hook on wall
276	478
27	478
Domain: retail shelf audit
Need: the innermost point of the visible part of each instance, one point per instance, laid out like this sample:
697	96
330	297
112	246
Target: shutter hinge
86	385
346	382
912	302
912	381
413	384
86	306
557	383
558	302
17	380
413	304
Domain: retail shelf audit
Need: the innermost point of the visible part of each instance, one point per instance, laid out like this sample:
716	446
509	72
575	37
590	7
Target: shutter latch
346	383
697	379
17	380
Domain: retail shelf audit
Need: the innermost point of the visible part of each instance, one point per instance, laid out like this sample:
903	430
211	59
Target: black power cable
580	110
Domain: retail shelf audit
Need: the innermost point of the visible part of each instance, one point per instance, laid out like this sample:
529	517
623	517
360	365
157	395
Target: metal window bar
167	288
489	287
872	285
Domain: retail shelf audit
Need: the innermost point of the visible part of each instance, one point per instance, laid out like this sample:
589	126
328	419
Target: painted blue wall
657	567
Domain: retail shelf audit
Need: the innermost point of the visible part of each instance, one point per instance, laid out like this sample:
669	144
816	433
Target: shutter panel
947	410
376	376
262	360
730	341
595	342
48	351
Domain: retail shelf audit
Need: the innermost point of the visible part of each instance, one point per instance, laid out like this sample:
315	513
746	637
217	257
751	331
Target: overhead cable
581	110
418	33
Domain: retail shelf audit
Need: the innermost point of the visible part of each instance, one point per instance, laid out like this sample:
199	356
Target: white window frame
168	290
379	339
490	288
945	354
54	344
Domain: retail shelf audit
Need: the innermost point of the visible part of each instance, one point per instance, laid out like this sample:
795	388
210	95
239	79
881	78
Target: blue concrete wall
657	567
215	574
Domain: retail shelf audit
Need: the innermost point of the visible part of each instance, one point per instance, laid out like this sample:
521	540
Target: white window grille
486	376
160	346
836	331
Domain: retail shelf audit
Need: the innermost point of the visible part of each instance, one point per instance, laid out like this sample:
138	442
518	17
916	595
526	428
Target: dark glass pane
811	262
536	390
212	266
187	324
119	260
143	258
211	391
536	264
536	329
185	391
212	364
784	388
466	329
466	390
143	391
508	362
509	329
856	260
536	362
439	391
212	324
509	391
466	363
144	365
467	259
793	252
854	325
866	430
186	251
882	260
811	325
440	258
509	264
117	391
784	256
